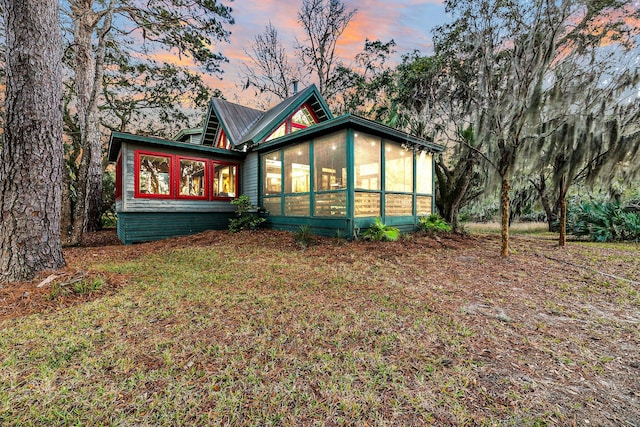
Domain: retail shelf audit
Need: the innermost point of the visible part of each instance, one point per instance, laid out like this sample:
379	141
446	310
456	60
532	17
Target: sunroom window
281	131
330	162
398	168
424	173
297	169
367	162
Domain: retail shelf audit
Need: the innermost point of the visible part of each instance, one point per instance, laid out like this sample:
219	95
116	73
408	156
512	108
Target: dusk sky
408	22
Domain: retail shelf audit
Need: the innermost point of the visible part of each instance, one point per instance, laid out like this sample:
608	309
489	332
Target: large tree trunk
88	80
31	155
504	205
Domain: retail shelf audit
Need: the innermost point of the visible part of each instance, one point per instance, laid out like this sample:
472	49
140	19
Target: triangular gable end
277	116
227	121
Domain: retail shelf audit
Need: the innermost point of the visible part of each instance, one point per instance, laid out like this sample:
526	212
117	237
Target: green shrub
433	224
603	222
303	236
247	215
379	232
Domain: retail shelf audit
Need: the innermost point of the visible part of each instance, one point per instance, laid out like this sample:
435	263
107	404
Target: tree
588	137
31	154
189	28
513	46
269	69
323	22
153	97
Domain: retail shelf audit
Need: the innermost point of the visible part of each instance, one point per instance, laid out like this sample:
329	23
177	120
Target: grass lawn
250	329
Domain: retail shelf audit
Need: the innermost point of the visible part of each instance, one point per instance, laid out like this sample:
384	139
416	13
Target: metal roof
244	125
233	118
353	122
117	138
273	118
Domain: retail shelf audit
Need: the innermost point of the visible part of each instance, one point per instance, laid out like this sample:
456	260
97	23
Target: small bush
603	222
379	232
433	224
247	215
303	236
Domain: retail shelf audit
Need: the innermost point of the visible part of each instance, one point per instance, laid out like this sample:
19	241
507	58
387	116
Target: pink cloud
408	22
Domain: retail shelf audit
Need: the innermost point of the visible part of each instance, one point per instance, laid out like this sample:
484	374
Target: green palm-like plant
433	223
379	232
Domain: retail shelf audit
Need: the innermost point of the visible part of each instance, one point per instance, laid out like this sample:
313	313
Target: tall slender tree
189	28
323	22
31	154
270	69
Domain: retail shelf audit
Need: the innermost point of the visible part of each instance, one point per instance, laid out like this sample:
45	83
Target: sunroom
338	176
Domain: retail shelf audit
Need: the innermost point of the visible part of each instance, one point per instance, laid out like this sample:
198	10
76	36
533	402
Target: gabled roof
273	118
234	119
244	125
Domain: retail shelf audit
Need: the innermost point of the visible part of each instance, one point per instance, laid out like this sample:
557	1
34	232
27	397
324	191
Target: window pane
303	117
155	174
330	162
192	178
281	131
424	177
423	205
367	162
272	173
296	205
398	205
367	204
331	204
272	205
398	168
296	169
224	180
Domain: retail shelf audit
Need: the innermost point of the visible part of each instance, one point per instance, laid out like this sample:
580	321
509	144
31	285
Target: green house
297	161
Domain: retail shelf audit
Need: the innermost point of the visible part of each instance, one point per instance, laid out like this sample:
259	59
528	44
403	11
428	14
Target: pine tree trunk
504	205
31	155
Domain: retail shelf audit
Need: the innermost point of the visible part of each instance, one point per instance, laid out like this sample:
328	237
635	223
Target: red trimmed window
119	177
153	175
222	140
301	119
169	176
225	180
192	178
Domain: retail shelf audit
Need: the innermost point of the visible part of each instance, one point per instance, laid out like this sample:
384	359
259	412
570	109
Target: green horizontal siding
147	226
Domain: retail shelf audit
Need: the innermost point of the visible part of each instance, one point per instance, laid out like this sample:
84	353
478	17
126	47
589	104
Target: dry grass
248	329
